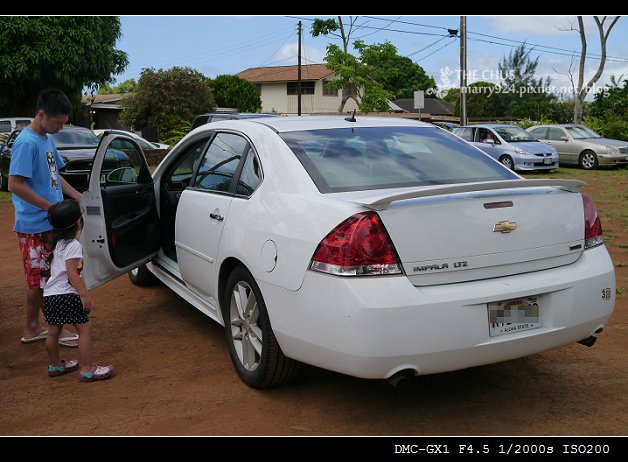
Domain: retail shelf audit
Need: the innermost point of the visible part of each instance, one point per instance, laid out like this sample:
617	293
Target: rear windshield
75	139
356	159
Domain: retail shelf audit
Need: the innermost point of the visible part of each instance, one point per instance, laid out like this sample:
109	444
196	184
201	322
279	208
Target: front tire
140	276
507	162
254	351
588	160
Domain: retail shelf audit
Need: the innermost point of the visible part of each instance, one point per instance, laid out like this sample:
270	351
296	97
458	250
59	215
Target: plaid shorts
35	249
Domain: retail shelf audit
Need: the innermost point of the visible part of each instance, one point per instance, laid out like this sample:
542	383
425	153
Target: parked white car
143	142
378	248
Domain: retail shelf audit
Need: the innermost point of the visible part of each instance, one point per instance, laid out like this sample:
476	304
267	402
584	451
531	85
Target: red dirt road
174	377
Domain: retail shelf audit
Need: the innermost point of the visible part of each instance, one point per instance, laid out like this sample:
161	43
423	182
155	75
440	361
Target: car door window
555	134
466	134
5	126
219	165
124	164
539	133
251	175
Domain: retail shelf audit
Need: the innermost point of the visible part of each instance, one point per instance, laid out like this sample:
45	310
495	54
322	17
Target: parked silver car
578	144
511	145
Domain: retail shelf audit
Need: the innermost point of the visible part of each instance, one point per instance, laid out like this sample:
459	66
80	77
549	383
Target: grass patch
5	196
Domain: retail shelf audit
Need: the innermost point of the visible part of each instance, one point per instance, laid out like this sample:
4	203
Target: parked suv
511	145
76	146
578	144
8	124
203	119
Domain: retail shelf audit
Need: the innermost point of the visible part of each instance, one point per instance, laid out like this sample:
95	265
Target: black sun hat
64	214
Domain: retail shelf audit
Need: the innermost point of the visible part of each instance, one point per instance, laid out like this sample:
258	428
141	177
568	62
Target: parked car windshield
514	134
75	138
582	133
355	159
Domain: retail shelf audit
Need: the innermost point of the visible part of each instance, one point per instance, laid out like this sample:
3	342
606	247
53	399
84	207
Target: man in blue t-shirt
35	184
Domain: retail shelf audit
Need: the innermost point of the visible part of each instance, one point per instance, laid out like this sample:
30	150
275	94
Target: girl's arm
71	266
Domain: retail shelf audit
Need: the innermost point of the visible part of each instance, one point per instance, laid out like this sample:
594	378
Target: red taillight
592	225
359	246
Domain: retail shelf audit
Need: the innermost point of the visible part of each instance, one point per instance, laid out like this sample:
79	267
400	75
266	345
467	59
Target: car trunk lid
457	233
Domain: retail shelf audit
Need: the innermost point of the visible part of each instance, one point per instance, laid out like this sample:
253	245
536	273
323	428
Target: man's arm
68	190
23	191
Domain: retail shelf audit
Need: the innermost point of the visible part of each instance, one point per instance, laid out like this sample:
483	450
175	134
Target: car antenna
351	118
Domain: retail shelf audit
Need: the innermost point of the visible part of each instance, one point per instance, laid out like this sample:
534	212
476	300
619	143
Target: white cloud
537	25
287	55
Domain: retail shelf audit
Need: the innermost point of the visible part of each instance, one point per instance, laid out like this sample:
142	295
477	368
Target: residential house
278	89
103	111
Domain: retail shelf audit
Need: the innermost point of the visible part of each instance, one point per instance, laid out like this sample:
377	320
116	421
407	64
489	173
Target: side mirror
564	138
489	141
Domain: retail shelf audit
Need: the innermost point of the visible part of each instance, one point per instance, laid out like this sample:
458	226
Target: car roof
559	125
487	126
76	127
290	124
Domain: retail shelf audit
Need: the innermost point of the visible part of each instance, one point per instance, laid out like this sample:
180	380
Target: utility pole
299	74
463	70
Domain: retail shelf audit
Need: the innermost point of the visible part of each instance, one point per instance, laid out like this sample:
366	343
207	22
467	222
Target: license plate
513	316
547	161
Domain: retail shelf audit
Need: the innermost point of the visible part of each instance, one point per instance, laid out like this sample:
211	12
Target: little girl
66	299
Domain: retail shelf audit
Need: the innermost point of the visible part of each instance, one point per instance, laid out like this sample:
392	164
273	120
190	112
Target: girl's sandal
97	373
70	366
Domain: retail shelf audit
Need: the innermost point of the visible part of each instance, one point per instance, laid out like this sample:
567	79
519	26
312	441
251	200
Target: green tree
65	52
482	100
612	100
523	95
232	91
365	73
165	98
408	78
337	28
128	86
609	110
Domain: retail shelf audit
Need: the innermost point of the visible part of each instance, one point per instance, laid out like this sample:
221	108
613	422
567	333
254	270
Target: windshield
514	134
356	159
582	133
72	138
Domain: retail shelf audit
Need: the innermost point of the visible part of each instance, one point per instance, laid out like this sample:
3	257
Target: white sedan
379	248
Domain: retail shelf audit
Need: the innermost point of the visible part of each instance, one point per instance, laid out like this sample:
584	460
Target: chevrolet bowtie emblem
504	227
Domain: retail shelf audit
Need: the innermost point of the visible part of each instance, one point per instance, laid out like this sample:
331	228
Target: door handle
216	216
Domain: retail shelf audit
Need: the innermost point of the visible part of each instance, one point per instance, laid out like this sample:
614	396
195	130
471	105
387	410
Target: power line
592	56
435	51
279	48
425	48
570	53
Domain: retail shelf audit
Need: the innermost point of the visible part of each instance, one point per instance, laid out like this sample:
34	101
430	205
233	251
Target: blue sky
216	45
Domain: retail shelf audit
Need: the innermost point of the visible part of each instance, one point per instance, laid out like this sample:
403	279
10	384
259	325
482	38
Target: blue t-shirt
36	158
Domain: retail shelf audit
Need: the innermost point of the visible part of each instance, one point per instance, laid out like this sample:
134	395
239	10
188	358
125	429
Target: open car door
121	230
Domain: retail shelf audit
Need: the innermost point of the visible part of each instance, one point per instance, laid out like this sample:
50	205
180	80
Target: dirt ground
174	375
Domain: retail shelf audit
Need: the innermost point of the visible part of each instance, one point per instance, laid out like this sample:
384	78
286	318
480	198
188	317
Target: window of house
329	91
307	88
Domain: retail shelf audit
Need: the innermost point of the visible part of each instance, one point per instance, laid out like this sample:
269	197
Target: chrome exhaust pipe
401	379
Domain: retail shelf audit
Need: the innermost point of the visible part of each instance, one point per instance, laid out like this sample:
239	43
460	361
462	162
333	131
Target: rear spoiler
382	203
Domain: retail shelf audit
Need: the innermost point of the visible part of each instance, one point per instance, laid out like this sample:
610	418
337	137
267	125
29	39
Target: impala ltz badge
504	227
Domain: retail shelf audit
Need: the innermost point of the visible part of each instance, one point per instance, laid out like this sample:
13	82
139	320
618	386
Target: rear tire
588	160
254	351
140	276
507	161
